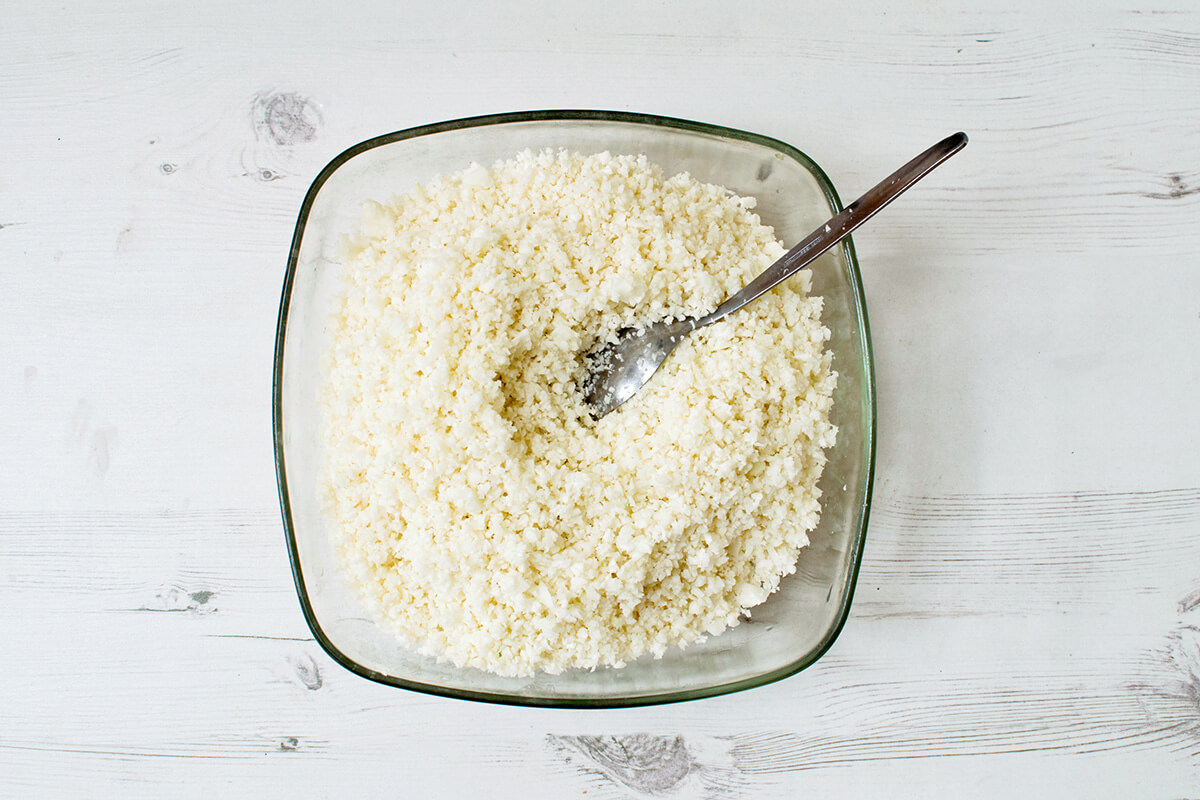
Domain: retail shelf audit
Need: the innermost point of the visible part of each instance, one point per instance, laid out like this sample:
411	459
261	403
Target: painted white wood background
1028	615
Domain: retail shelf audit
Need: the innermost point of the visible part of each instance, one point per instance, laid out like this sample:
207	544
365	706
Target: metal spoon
617	370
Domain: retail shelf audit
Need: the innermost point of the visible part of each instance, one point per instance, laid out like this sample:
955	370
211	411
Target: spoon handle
833	231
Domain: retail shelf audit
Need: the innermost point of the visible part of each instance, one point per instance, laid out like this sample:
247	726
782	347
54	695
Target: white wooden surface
1028	615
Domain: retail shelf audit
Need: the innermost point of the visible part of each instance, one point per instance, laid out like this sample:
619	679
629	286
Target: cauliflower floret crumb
477	509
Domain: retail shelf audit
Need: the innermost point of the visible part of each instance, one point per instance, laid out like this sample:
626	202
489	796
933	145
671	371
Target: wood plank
1027	615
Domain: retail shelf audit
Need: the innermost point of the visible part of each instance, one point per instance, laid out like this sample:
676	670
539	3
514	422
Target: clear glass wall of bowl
786	633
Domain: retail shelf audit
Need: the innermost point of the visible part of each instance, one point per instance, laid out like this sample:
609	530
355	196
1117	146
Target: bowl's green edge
277	397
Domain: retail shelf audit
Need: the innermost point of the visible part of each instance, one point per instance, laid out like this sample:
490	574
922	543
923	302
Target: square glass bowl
786	633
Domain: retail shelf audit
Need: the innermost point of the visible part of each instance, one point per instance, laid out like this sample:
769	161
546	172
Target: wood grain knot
308	672
648	765
285	118
1169	691
1177	187
1189	602
178	599
640	761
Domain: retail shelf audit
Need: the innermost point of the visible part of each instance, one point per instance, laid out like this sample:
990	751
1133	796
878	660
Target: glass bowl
796	624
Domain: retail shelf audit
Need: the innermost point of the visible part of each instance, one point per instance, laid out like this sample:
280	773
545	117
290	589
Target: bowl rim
562	115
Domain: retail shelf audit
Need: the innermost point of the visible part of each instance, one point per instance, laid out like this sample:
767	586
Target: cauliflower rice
478	510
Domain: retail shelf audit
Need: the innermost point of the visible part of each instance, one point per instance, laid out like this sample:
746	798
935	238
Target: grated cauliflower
478	510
